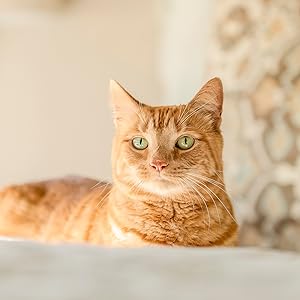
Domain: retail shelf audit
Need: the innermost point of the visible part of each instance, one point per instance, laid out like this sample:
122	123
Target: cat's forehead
160	118
158	124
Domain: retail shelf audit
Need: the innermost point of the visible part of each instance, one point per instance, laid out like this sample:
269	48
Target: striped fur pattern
183	204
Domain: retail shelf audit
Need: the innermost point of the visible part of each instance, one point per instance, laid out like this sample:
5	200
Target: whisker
184	187
203	199
192	113
215	204
188	185
219	201
98	183
135	186
219	176
219	185
213	182
102	200
182	114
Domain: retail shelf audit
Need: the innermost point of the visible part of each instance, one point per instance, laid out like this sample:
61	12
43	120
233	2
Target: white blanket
37	272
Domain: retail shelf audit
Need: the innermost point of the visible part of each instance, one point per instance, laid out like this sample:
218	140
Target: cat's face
163	149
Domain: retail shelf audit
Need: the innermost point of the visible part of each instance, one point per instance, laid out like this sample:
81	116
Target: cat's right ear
125	107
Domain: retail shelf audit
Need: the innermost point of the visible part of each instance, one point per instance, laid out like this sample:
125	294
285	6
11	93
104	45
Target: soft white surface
32	271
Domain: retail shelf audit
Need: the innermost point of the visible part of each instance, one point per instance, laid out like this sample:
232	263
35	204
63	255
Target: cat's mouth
161	182
161	177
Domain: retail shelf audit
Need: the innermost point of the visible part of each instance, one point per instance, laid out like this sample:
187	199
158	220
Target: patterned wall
256	51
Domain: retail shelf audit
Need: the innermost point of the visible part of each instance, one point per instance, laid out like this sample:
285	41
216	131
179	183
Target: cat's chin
161	187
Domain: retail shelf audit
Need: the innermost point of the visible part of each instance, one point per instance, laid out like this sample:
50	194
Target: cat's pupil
185	140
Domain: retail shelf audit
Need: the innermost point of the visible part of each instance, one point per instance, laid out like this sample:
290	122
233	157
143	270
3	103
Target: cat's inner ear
124	106
210	98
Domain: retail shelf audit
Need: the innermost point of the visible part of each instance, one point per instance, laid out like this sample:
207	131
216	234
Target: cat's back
32	210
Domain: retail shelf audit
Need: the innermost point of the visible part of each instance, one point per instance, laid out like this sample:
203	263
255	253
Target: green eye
185	142
139	143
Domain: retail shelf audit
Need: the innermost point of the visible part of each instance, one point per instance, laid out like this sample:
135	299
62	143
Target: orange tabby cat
167	183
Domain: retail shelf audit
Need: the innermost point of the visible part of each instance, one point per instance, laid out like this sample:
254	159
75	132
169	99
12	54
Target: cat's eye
139	143
185	142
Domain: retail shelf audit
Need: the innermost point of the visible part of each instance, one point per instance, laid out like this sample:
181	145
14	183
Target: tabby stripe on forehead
161	118
168	115
156	120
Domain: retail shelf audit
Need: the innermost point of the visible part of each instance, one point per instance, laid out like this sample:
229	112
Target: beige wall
55	63
185	32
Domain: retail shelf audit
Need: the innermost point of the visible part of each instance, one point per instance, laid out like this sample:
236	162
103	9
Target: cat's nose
158	165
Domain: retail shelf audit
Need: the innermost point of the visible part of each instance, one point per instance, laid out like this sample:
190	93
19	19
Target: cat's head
163	149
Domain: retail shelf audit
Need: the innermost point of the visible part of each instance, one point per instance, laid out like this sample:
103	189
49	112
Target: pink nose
158	165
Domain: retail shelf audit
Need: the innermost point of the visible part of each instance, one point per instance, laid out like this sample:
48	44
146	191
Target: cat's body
78	210
167	184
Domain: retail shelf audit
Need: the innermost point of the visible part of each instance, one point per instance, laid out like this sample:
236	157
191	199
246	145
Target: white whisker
217	209
192	113
184	188
182	114
202	198
227	210
98	183
102	200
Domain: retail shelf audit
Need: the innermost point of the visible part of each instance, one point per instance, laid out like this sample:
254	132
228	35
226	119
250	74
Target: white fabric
33	271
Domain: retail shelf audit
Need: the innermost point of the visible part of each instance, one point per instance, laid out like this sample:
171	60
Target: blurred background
57	56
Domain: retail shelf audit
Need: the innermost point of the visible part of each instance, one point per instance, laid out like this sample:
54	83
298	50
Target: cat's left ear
210	98
125	107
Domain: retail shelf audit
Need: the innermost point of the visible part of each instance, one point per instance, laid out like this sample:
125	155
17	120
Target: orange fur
183	204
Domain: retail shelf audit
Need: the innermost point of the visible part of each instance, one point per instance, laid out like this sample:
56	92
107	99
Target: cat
167	190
